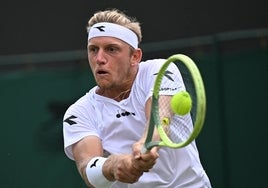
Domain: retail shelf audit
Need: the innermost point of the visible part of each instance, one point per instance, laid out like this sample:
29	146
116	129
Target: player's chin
103	83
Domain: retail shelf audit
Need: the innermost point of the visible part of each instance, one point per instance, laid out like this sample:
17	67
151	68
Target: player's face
112	62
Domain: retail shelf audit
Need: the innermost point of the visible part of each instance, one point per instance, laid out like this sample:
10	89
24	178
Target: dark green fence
36	89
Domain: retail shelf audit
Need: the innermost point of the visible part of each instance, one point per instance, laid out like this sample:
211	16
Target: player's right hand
123	168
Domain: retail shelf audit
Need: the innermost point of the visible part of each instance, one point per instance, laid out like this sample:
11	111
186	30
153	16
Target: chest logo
124	113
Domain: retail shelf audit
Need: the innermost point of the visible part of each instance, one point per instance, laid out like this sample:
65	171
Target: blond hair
117	17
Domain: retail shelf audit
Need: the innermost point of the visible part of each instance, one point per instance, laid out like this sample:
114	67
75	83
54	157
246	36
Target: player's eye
92	49
112	49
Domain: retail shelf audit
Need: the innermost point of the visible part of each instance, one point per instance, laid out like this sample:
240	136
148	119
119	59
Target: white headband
106	29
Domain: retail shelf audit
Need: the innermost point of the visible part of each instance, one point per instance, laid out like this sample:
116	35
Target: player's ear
136	56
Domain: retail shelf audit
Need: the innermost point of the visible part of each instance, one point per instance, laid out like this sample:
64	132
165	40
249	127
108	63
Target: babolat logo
125	113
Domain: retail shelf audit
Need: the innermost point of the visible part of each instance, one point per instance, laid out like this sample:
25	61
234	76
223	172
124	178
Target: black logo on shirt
167	74
125	113
70	121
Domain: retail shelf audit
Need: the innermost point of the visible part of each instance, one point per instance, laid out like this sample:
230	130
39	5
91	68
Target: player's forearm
81	166
155	137
96	171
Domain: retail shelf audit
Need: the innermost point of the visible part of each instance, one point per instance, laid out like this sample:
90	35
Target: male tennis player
104	129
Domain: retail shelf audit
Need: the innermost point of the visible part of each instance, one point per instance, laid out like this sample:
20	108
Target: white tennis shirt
120	124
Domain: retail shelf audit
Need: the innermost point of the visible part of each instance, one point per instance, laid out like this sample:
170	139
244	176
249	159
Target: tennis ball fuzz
181	103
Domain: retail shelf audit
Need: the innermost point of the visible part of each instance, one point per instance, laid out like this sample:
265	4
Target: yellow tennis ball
181	103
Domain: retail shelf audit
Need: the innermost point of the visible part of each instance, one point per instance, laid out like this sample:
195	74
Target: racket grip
144	149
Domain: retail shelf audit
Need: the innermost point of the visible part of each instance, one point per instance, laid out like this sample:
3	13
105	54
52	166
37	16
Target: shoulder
81	105
152	63
146	76
151	66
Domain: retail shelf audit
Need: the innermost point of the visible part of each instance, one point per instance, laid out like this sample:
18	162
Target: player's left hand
144	161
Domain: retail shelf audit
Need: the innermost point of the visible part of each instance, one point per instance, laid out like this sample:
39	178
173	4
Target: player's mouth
101	73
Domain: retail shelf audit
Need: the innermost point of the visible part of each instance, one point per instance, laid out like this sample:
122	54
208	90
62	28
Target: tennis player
104	129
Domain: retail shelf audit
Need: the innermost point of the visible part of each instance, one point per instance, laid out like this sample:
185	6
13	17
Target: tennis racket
178	73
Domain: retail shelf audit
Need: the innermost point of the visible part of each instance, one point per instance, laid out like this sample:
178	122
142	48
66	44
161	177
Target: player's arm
163	113
84	151
97	170
148	105
149	158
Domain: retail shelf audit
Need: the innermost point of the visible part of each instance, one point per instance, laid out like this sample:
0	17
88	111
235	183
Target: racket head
178	73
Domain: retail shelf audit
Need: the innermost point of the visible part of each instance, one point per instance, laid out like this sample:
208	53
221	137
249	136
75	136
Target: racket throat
149	146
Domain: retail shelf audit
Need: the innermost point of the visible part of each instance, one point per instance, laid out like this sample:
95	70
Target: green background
35	95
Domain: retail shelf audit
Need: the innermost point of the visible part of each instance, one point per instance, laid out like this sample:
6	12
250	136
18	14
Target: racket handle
144	149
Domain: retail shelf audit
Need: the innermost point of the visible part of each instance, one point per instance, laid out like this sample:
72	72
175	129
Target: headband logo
100	28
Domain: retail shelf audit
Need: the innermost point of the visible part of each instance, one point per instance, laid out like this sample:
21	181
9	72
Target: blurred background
44	69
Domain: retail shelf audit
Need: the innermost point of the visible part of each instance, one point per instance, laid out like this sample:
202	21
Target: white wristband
95	175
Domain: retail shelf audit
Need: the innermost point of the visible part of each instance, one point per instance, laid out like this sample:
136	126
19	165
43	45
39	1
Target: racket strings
179	128
190	87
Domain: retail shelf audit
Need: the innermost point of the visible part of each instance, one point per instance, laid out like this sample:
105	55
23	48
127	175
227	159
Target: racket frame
200	111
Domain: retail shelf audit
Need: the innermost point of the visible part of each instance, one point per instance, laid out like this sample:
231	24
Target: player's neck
115	94
122	95
118	93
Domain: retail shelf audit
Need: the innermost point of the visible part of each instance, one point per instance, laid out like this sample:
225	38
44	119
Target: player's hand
144	161
122	168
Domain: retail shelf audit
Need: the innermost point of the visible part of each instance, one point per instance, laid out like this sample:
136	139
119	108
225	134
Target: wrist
95	173
108	169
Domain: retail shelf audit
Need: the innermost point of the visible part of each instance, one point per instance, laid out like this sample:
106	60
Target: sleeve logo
168	75
70	120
